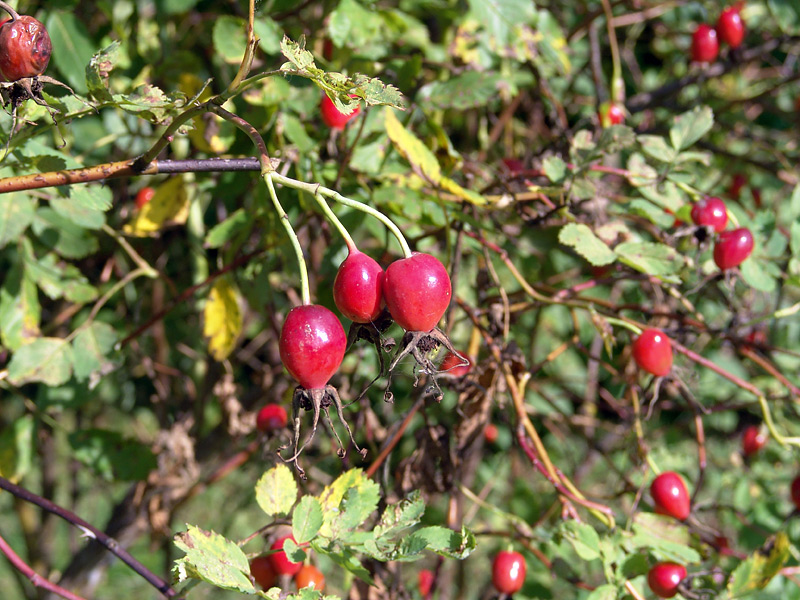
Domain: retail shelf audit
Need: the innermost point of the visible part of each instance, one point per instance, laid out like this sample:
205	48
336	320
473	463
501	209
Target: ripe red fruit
671	496
453	366
514	165
611	114
710	211
508	572
653	352
262	571
279	561
490	433
737	183
25	48
270	417
312	345
733	248
144	196
309	575
417	291
358	288
705	46
796	492
730	27
425	582
753	439
331	115
664	578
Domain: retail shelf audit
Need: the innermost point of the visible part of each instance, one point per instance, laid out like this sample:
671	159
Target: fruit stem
284	218
249	53
314	188
617	84
348	240
14	14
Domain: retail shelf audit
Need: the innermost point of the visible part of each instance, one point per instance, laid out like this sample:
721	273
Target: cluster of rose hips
731	247
266	570
706	39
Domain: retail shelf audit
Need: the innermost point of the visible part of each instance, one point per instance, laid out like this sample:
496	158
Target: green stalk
348	240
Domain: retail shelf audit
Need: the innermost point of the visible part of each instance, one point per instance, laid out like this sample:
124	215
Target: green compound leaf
91	348
276	491
306	519
586	243
213	558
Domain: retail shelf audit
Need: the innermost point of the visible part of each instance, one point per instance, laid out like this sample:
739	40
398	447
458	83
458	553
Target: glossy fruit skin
671	496
508	572
358	288
144	196
730	28
611	114
280	562
25	48
705	45
262	571
664	578
312	345
490	433
331	115
425	582
652	351
271	417
452	365
796	492
753	439
514	165
417	291
309	575
733	248
710	211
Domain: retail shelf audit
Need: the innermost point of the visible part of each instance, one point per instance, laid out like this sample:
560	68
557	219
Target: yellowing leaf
413	150
756	571
223	319
170	205
451	186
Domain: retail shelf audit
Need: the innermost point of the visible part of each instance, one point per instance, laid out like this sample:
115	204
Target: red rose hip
271	417
144	196
331	115
312	345
279	561
454	366
733	248
358	288
705	46
665	577
262	571
417	291
508	572
730	28
652	351
671	496
25	48
611	114
309	575
753	439
796	492
710	211
425	582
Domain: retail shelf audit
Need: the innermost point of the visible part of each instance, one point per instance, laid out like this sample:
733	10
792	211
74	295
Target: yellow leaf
223	319
451	186
413	150
169	205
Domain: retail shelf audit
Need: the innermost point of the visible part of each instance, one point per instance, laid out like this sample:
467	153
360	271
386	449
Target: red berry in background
425	582
796	492
262	571
312	345
753	439
144	196
732	248
280	562
730	28
705	46
611	114
358	288
664	578
737	183
331	115
710	211
490	433
417	291
508	572
652	351
670	495
271	417
514	165
25	48
454	366
309	575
